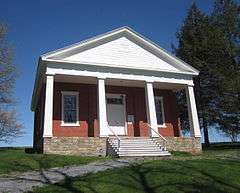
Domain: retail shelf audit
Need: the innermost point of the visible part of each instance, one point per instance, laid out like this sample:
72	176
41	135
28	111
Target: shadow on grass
2	149
222	146
181	154
151	177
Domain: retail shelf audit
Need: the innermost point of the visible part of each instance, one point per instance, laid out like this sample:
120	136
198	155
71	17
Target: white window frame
162	108
73	93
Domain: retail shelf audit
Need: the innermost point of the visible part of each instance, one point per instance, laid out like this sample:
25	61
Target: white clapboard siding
121	52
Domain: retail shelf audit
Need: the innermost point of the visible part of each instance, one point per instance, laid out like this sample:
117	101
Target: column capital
49	74
101	77
189	85
149	81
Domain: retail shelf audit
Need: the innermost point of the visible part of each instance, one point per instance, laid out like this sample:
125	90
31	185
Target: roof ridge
86	40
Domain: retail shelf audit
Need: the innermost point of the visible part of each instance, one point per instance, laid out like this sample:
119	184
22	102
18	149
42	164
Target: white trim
124	105
48	113
123	31
163	112
81	43
102	109
192	112
86	73
119	66
151	109
118	32
72	93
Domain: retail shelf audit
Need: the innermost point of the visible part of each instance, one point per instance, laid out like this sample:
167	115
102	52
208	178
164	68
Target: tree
9	126
204	47
226	17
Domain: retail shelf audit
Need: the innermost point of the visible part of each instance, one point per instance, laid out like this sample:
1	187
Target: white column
192	112
48	113
151	109
102	110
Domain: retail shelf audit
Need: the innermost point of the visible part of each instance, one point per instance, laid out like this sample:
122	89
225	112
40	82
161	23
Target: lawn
216	170
16	160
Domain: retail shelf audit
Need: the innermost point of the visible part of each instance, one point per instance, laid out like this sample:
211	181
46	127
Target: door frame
124	109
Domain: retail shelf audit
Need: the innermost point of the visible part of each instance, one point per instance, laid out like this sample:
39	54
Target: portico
102	106
118	84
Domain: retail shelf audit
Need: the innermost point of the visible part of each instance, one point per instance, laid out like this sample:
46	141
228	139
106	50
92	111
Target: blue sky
36	27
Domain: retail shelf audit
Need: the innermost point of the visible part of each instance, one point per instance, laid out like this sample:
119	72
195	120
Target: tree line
210	43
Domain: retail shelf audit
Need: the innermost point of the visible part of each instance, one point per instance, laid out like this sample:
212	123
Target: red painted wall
87	111
39	120
171	113
135	105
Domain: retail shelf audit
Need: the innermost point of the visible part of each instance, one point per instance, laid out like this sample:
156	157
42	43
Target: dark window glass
116	101
70	108
159	113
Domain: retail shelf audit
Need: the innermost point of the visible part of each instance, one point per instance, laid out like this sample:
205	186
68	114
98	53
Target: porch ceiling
117	82
75	79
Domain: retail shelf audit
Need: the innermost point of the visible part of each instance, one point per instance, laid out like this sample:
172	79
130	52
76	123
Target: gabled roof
84	52
141	53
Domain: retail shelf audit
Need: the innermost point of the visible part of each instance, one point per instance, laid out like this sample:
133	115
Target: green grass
16	160
213	171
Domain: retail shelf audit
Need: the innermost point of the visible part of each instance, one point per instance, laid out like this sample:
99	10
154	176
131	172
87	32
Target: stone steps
144	154
141	147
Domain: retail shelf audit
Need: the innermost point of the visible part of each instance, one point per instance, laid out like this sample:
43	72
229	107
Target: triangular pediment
121	48
122	52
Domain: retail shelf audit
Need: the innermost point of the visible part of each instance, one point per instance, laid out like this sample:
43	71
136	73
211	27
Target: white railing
160	136
118	138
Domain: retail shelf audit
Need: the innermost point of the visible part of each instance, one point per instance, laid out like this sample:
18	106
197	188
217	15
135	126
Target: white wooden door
116	113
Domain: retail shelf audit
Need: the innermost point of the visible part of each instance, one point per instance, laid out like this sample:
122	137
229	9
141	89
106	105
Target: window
116	101
159	111
70	108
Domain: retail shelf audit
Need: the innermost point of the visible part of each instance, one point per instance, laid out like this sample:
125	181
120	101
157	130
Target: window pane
116	101
70	116
158	105
159	113
159	119
69	102
70	109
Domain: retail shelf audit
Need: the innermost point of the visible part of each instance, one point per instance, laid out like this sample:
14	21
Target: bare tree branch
9	126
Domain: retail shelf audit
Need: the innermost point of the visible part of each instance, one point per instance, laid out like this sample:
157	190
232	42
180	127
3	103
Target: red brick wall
135	105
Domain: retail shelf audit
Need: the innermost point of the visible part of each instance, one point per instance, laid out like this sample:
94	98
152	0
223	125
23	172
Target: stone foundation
90	146
189	144
93	146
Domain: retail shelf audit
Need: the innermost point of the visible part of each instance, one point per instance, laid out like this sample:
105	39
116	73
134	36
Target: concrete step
143	154
136	139
138	147
140	150
137	152
139	142
136	144
146	148
132	141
